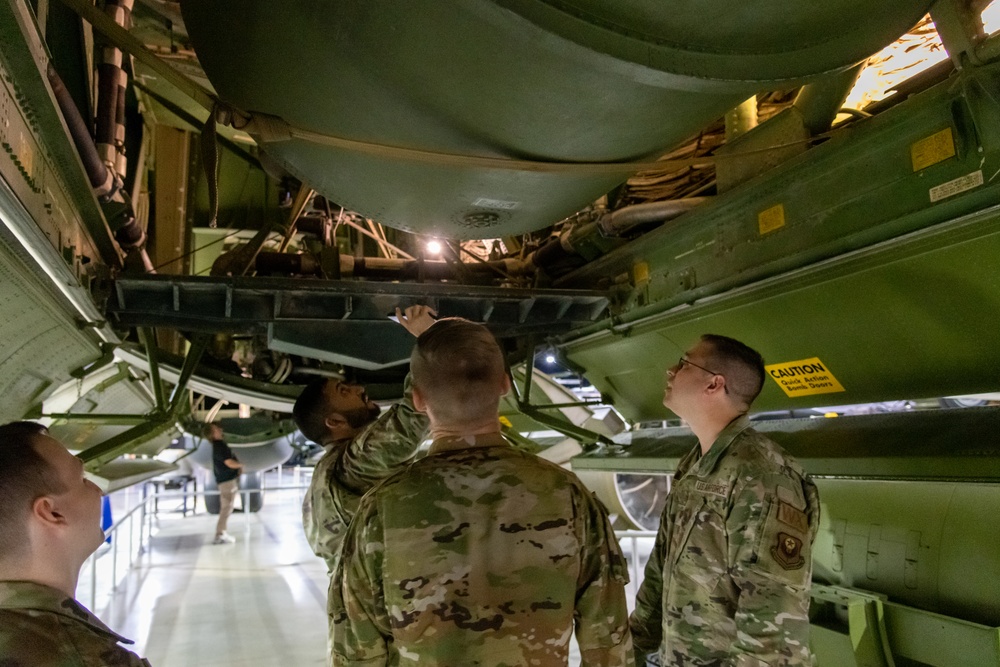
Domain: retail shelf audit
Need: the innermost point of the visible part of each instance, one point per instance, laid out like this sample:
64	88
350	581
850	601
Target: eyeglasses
683	360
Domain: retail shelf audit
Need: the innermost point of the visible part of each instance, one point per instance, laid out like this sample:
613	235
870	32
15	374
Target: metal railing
629	540
141	513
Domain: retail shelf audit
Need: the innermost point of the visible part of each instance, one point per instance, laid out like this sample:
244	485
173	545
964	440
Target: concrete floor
260	601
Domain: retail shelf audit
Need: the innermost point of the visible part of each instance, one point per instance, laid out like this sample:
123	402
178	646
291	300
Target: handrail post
93	581
131	539
246	510
114	561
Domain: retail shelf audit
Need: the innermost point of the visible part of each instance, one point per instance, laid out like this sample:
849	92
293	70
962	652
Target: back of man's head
311	410
458	370
25	476
742	366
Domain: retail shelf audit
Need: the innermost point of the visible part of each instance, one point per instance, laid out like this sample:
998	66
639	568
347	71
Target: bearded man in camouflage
363	447
727	584
50	522
477	554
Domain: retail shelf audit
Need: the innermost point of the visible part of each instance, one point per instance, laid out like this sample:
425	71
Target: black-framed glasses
683	360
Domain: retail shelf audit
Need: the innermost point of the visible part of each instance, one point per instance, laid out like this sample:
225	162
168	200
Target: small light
434	247
550	359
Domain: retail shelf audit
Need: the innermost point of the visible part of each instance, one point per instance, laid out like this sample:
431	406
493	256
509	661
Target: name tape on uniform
804	377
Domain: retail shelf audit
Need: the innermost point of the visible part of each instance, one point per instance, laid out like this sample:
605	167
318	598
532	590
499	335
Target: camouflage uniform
41	627
351	467
728	581
480	554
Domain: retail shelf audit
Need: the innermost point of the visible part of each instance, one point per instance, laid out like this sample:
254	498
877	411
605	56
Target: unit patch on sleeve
787	552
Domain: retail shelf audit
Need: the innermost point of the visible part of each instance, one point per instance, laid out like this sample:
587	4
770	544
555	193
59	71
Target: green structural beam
941	445
156	421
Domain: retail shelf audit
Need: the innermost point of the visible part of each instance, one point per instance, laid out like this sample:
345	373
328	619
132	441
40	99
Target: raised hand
416	319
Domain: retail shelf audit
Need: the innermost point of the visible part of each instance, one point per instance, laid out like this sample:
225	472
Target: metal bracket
115	446
536	412
866	623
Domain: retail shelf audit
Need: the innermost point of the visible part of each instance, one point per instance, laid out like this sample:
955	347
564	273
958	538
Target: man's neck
62	576
709	425
485	427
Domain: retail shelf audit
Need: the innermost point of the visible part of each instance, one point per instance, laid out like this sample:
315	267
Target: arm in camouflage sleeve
646	621
601	612
359	623
383	447
772	615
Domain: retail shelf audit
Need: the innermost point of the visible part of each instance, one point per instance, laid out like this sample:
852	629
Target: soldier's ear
333	420
717	385
46	511
419	404
505	385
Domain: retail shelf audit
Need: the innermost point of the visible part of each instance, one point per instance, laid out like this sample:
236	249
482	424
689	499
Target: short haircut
25	476
311	410
208	427
742	366
458	368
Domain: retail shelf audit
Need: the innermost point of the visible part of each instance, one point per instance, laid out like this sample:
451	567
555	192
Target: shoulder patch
714	489
787	552
792	517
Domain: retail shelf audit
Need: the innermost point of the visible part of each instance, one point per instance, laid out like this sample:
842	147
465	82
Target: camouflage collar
722	442
38	597
452	442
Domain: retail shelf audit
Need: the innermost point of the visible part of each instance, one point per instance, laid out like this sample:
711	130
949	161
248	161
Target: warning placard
804	377
933	149
771	219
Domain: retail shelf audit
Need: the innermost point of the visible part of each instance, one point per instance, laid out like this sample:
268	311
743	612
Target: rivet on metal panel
874	542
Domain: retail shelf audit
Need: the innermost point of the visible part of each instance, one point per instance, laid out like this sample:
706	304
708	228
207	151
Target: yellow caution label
933	149
505	422
804	377
640	273
771	219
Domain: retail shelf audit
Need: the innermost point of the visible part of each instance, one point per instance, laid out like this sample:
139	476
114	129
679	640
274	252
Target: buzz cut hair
740	364
25	476
311	410
458	368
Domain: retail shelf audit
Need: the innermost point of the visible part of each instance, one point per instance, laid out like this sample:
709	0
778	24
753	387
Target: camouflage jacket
728	581
351	467
480	554
41	627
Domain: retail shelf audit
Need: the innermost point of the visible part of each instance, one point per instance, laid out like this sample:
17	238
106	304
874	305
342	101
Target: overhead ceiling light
550	359
434	247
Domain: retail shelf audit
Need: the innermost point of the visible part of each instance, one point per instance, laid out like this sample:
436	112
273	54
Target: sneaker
224	538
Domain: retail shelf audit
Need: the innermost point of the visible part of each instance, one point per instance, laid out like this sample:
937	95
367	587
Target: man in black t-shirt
227	469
